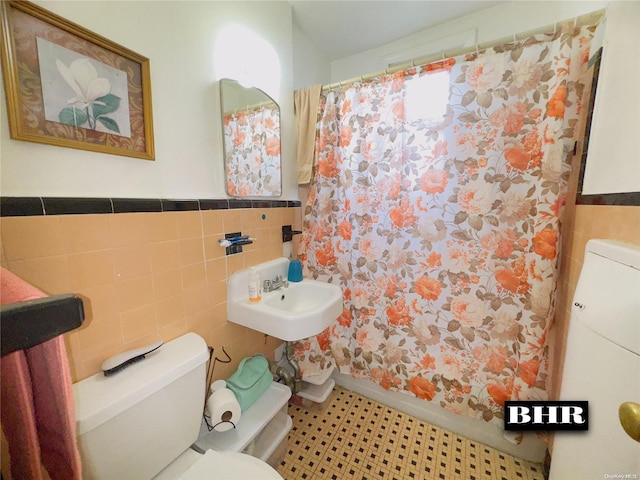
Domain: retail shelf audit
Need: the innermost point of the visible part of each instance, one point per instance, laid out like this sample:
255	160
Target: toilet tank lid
99	398
624	253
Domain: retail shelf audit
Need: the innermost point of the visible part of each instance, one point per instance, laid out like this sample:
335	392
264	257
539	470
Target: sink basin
298	311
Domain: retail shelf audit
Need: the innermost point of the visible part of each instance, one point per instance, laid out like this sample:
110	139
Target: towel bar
26	324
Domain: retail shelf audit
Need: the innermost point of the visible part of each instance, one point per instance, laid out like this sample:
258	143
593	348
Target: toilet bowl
226	466
141	422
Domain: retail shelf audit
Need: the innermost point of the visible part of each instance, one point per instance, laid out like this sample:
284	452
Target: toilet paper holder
222	410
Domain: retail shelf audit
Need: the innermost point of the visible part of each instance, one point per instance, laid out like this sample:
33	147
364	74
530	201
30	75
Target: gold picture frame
69	87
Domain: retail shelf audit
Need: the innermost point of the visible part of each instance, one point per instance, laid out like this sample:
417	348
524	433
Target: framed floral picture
69	87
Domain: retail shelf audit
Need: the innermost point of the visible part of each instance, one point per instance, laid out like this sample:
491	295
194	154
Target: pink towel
38	413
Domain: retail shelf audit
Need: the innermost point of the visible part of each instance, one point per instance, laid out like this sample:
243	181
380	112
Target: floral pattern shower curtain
438	215
252	150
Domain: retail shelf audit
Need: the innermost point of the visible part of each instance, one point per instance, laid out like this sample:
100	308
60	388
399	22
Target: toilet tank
134	423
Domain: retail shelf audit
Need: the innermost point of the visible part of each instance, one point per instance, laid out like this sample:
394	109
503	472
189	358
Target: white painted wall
490	24
179	38
310	65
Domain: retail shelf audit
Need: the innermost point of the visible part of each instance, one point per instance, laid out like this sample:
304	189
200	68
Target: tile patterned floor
355	437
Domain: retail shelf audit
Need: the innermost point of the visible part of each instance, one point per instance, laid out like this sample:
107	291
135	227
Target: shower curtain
435	205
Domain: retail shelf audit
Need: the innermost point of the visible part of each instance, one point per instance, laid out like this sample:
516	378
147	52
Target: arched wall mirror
251	135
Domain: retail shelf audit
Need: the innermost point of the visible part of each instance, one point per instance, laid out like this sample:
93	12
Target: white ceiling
341	28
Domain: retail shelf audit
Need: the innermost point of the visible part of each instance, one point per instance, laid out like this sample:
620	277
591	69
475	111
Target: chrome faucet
276	283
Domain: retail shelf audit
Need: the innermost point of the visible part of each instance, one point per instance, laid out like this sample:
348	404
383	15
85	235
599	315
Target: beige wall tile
195	300
165	256
274	235
151	337
200	323
170	310
234	263
193	276
258	218
212	223
142	276
134	292
216	270
100	336
217	292
189	224
161	227
191	251
167	283
130	229
91	268
49	274
138	322
31	237
173	330
257	256
85	233
132	261
232	221
100	303
219	315
88	367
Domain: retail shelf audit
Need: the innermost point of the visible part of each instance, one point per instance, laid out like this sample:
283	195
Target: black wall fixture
288	233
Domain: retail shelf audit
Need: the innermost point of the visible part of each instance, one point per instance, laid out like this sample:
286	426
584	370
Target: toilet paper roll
222	410
217	385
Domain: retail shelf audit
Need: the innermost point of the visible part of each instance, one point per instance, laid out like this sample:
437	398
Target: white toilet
139	423
602	365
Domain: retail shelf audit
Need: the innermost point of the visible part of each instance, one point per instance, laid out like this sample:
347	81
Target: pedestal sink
292	312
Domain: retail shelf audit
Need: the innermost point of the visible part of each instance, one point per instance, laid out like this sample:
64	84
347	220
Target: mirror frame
250	99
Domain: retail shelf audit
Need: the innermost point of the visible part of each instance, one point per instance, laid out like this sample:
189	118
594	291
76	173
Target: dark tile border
221	204
238	203
629	199
74	206
32	206
21	206
128	205
169	205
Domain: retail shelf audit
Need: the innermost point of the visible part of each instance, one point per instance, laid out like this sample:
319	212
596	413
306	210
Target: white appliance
602	366
139	423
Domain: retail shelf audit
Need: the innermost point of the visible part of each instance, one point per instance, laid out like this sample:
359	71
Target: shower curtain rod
587	19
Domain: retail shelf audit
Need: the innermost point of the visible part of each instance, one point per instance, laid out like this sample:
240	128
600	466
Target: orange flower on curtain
252	151
436	207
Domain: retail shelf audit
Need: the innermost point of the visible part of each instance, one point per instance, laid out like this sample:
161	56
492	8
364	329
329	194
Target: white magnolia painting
83	92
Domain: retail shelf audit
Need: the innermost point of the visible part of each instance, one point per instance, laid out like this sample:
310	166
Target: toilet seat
229	466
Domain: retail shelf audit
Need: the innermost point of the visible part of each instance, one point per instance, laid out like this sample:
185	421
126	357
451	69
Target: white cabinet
613	156
261	430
